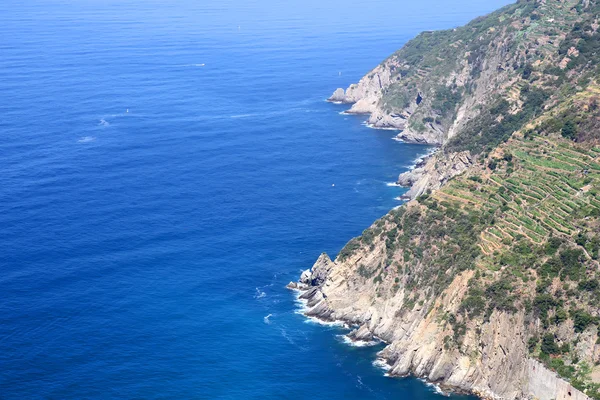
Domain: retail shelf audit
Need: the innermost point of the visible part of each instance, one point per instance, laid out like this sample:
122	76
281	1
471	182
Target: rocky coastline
313	299
486	281
433	170
414	347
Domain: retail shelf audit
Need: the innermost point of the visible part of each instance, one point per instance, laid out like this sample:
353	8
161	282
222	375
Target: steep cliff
440	81
434	172
488	280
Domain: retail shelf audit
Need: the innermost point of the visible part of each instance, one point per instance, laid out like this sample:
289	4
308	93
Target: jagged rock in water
306	277
321	269
339	96
292	285
362	333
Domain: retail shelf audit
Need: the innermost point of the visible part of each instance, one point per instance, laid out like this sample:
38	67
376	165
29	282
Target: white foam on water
104	122
267	320
259	294
286	336
393	184
371	126
86	139
302	305
357	343
422	157
315	320
434	387
382	365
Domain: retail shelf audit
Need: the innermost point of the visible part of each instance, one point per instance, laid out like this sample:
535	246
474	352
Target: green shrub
569	130
499	295
581	320
527	71
549	345
589	285
474	304
563	370
349	249
544	303
552	245
572	263
532	343
364	272
560	316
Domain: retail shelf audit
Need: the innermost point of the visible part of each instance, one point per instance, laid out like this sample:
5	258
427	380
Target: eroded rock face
306	278
493	361
365	94
361	333
315	276
434	136
546	385
321	270
435	172
432	98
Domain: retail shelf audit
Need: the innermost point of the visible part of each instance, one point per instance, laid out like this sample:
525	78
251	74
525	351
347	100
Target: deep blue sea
167	167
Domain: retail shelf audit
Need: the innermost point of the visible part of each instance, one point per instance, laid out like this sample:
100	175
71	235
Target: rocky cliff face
493	361
545	384
490	364
428	104
366	98
440	81
434	172
365	95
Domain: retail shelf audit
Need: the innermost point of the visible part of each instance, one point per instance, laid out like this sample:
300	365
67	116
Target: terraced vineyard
538	188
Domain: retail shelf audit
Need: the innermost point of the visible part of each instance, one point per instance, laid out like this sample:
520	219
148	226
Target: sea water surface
167	168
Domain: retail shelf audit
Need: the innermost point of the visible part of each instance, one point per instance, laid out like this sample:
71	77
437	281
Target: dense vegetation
524	221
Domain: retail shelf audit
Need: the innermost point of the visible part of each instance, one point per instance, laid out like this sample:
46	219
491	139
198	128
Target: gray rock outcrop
493	364
434	172
339	96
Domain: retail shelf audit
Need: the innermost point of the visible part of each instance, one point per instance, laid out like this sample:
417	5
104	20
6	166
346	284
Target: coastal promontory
487	279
